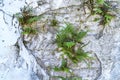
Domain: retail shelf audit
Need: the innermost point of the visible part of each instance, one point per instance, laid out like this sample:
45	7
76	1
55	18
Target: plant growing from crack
63	67
69	40
103	9
26	20
54	22
68	78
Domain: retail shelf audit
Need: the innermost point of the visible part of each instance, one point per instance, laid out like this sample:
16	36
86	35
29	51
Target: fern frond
33	19
63	66
29	30
67	38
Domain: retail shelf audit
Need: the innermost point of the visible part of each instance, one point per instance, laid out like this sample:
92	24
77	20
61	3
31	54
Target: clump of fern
68	40
63	67
26	19
68	78
103	9
29	30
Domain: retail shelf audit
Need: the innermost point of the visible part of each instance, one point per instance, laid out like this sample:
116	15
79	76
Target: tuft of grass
26	19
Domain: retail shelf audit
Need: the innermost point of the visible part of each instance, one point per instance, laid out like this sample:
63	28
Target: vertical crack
1	3
4	16
44	73
100	67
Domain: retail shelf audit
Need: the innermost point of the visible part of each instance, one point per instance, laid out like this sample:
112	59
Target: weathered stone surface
32	57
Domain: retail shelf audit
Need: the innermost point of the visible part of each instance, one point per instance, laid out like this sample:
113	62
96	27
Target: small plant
29	30
54	22
103	9
68	40
63	66
26	19
68	78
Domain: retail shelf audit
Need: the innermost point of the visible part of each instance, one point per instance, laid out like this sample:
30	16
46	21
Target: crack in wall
33	60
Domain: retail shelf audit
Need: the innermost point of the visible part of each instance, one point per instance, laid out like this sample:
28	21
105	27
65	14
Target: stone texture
36	55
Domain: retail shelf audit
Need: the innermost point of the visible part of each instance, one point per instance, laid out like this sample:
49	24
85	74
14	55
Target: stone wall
32	57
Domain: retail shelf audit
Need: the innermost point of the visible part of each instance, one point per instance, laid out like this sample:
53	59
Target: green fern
33	19
29	30
108	18
67	39
103	8
80	35
26	19
68	78
69	44
63	66
100	1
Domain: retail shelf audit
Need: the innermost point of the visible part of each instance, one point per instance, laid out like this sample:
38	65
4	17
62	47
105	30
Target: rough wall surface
32	57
